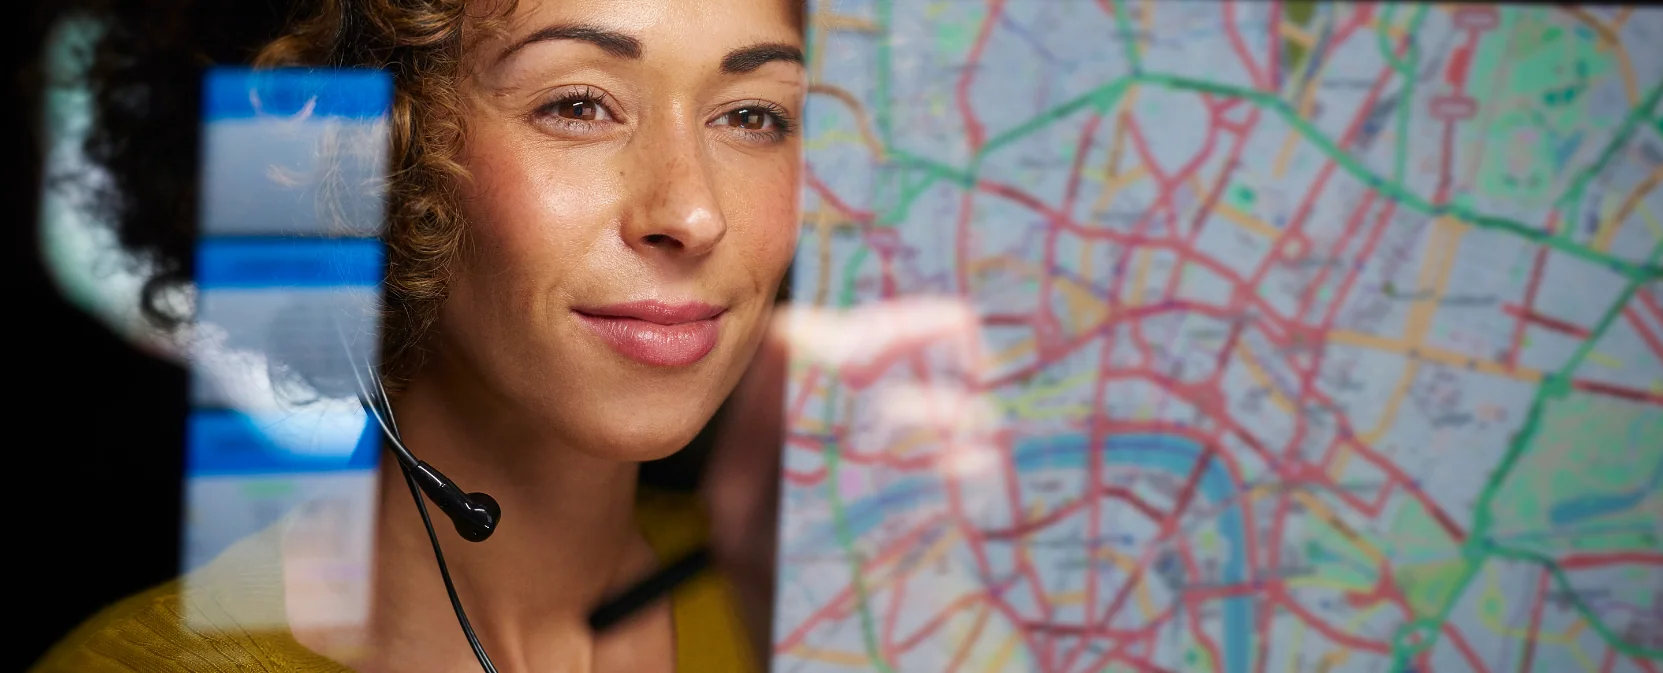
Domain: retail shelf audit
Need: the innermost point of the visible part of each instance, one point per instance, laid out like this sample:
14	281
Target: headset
475	515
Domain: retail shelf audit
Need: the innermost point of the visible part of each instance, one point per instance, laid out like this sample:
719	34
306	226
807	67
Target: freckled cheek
781	218
529	223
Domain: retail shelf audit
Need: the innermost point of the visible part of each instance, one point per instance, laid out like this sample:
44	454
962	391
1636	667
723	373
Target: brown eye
750	119
580	109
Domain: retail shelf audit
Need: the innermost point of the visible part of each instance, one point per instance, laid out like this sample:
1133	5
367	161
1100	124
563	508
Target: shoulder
150	632
219	618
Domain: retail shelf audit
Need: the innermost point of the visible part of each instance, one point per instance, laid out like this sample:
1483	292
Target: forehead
693	31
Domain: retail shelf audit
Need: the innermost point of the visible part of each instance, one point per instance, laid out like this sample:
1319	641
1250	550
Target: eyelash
784	124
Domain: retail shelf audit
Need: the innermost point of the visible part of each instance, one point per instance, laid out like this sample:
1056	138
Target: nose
679	213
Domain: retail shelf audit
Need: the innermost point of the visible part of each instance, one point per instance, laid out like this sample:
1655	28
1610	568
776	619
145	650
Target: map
1318	337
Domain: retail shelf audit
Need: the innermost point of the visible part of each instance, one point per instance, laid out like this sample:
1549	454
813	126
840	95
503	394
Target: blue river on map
1171	454
1573	510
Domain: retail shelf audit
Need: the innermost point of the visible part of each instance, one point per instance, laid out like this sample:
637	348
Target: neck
566	539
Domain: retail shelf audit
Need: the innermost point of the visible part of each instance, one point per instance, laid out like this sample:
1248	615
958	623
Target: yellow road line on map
1651	220
1002	655
1148	16
1433	354
966	637
1298	641
1140	275
1307	102
1246	221
1126	564
1297	34
1442	246
1608	228
1023	405
1332	660
1606	360
1491	619
836	657
1255	370
1345	530
1400	392
1084	307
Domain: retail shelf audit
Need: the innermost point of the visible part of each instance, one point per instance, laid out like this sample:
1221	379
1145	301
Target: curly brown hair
420	44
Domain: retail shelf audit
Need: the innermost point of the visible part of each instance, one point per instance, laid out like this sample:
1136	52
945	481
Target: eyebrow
737	62
748	59
610	41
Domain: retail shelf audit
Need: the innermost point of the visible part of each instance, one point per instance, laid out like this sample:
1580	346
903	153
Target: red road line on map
862	216
1081	150
1530	286
1608	663
1644	664
973	126
1534	631
1134	132
1185	495
886	639
1046	325
1396	473
1095	491
1555	324
1242	133
1328	631
1653	341
1240	46
1650	302
1120	653
1619	391
1581	561
963	651
935	623
1352	225
1475	662
1094	480
846	597
1195	602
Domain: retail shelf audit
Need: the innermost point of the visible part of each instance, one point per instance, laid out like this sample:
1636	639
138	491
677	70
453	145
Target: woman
593	212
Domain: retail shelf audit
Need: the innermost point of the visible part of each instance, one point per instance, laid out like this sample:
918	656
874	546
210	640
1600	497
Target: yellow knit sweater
148	633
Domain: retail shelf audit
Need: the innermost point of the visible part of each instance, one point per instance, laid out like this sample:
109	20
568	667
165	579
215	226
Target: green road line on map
1128	37
1405	103
1477	549
1573	195
840	524
1106	96
1384	37
880	102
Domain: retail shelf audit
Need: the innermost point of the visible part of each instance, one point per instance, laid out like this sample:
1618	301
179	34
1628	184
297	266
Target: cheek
526	222
773	207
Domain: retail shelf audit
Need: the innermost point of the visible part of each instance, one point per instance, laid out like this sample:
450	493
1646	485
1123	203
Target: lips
655	333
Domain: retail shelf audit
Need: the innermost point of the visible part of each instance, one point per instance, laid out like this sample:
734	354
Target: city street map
1315	337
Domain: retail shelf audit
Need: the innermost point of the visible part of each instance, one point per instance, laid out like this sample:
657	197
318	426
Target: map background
1361	303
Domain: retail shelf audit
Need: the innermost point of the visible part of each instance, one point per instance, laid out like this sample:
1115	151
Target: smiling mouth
654	333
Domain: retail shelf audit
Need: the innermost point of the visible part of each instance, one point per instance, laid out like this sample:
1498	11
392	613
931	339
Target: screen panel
1319	336
280	459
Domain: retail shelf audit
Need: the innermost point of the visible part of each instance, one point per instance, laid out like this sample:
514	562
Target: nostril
661	240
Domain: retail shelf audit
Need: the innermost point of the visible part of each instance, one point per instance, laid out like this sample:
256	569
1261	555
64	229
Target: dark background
96	441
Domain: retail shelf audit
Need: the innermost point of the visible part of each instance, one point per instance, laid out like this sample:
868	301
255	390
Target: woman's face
631	213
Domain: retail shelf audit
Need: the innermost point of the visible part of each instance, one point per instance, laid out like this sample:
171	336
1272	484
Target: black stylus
649	590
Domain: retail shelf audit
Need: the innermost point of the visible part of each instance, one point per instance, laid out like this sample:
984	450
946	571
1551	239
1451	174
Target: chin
641	433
